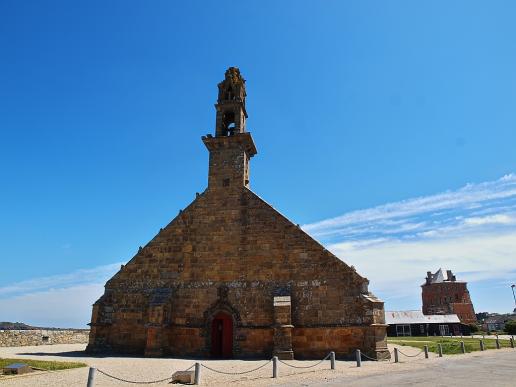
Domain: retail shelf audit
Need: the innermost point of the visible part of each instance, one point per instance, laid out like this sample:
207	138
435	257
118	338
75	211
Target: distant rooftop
417	317
440	277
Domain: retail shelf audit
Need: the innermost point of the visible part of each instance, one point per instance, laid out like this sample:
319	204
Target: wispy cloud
471	230
62	307
78	277
494	201
56	301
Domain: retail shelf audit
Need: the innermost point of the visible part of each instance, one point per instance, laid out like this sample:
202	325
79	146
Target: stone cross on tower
232	147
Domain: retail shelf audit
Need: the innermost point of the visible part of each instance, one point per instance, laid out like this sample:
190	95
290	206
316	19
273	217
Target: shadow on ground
83	354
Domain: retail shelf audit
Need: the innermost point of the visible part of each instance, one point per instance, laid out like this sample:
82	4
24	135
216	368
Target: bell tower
232	147
231	114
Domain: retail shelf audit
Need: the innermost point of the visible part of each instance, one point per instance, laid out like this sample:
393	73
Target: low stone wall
19	338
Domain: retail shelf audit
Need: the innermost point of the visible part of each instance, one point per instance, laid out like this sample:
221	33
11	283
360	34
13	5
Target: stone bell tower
232	147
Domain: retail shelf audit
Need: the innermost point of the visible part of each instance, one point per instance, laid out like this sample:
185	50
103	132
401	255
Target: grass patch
450	346
44	364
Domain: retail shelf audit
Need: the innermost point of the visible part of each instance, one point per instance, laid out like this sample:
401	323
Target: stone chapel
230	276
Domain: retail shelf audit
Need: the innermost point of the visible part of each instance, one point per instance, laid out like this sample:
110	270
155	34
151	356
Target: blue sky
386	128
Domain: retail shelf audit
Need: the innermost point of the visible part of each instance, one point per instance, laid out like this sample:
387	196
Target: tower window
225	183
229	95
228	123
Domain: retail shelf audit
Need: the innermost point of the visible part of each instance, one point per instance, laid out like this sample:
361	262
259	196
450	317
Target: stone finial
233	75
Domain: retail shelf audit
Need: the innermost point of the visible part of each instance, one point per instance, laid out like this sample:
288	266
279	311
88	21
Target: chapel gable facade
230	276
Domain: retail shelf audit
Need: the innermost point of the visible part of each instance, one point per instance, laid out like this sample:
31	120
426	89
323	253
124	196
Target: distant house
496	322
415	323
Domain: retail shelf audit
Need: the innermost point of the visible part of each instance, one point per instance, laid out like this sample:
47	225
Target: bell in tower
231	114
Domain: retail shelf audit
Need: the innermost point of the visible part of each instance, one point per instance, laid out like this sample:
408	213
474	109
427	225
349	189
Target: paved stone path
492	368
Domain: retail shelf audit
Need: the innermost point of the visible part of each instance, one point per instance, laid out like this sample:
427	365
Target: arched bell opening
228	123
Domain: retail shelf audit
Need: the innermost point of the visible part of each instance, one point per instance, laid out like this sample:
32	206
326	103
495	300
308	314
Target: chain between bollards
440	349
359	358
275	367
426	351
332	360
91	377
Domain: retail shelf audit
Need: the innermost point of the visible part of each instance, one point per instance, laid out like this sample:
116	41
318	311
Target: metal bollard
359	358
497	343
463	347
396	358
511	340
440	349
91	377
275	367
332	360
426	351
482	345
197	375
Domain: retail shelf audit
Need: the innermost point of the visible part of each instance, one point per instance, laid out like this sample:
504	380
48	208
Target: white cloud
390	264
491	219
83	276
62	300
422	213
68	307
471	231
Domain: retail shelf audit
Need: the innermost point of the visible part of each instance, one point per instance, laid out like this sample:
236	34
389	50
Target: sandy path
146	369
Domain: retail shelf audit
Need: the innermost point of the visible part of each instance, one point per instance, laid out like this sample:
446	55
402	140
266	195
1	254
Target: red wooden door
222	336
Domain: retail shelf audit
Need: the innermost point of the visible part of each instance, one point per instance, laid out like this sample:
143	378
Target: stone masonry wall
230	238
450	297
20	338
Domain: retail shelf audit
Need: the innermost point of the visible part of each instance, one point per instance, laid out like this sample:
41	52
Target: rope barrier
404	354
133	381
235	373
370	358
310	366
139	382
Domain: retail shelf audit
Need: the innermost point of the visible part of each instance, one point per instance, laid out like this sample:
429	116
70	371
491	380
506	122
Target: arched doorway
222	336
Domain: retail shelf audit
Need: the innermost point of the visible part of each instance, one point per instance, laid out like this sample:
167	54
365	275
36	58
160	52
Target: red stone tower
447	296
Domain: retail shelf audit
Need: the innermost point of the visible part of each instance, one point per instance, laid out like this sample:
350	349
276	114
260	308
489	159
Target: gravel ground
146	369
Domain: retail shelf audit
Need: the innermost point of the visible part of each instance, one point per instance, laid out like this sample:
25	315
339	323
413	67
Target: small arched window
228	123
